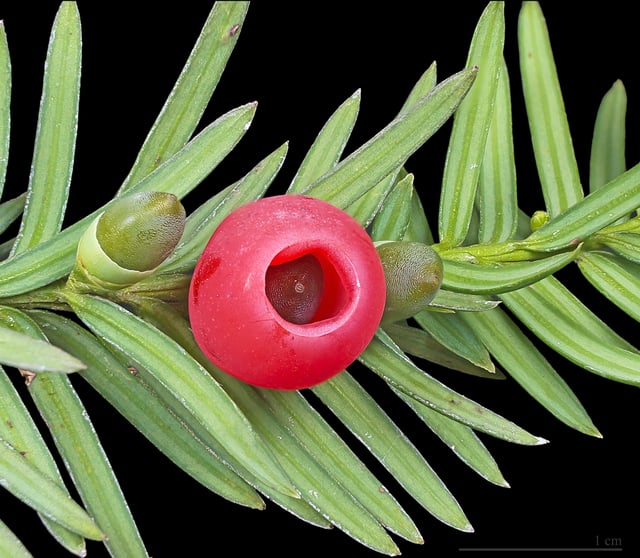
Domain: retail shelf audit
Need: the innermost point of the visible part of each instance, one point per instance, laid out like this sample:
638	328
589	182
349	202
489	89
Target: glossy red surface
236	324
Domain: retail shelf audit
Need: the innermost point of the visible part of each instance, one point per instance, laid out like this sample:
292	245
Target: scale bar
539	549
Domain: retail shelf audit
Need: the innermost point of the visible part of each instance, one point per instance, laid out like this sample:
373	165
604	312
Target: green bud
538	219
130	239
413	272
140	231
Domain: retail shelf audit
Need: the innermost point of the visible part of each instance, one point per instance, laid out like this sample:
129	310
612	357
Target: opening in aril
295	288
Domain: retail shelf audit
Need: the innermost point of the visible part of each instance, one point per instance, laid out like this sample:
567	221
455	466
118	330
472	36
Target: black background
300	61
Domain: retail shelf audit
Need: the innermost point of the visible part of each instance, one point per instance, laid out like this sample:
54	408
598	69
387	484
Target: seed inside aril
295	288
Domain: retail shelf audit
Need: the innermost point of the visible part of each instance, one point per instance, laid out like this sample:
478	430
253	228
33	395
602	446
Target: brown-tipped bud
413	273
